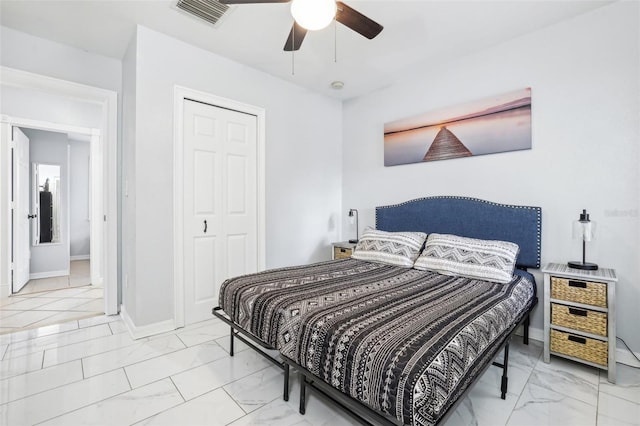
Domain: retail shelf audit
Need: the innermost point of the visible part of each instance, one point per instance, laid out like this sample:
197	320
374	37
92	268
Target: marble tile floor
79	275
33	310
90	371
52	300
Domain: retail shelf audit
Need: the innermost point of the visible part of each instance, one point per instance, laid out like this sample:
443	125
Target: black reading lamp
584	229
352	213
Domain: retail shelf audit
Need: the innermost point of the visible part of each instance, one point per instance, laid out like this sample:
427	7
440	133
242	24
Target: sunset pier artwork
498	124
446	145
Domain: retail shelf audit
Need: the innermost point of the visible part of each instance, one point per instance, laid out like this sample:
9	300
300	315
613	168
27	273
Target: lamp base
353	241
583	265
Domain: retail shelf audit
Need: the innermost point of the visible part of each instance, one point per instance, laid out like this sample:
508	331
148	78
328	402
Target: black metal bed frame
361	412
242	335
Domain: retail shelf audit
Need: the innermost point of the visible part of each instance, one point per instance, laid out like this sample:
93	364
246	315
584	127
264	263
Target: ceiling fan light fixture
313	14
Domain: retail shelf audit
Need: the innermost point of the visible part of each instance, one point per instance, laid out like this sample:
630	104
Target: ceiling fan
311	15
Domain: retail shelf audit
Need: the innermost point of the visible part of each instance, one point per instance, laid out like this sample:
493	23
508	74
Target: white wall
303	166
52	148
128	222
585	123
79	225
36	105
41	56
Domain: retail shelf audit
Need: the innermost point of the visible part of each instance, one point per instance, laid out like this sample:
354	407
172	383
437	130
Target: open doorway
39	102
52	181
59	213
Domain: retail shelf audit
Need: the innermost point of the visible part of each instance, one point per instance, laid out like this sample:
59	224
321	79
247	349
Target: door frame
180	95
103	163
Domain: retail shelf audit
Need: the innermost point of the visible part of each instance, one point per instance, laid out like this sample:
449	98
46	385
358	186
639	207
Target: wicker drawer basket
580	347
342	252
586	292
579	319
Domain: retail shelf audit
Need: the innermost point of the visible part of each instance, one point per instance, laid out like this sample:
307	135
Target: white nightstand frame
603	275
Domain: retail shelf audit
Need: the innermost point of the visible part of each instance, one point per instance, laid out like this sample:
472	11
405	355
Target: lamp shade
584	230
313	14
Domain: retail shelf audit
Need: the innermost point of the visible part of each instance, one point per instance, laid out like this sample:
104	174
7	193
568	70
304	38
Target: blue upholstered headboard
469	217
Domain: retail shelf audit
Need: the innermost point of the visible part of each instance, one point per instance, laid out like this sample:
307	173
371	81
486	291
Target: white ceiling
414	32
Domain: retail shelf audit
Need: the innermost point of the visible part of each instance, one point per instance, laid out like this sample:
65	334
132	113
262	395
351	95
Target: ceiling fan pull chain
293	51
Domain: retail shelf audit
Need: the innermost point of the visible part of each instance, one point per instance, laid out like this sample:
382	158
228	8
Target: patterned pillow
480	259
391	248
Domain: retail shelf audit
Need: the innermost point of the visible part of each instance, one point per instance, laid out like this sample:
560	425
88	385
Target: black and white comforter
405	342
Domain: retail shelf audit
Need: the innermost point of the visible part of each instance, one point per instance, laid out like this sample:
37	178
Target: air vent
209	10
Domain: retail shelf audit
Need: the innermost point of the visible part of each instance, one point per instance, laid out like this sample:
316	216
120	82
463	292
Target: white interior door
21	194
220	203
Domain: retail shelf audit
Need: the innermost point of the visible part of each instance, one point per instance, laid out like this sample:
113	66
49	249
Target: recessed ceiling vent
209	10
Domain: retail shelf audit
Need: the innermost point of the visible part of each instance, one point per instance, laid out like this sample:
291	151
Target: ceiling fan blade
294	41
252	1
357	21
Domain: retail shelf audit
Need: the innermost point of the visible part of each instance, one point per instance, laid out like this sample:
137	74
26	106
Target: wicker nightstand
342	250
580	316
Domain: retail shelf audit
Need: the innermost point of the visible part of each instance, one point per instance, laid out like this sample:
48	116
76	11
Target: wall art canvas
497	124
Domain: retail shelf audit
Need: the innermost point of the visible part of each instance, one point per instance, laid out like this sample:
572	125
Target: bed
393	344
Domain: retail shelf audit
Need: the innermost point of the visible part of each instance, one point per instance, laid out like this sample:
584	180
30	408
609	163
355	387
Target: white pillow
391	248
486	260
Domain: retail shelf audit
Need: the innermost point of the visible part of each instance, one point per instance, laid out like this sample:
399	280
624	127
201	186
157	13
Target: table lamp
354	213
584	229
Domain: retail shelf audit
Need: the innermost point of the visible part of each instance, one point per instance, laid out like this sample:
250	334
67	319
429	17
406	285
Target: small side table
580	316
342	250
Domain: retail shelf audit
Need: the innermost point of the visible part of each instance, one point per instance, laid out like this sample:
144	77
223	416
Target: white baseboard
138	332
49	274
622	354
534	333
80	257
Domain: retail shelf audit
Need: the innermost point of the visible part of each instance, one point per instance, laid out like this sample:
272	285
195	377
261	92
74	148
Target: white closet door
220	203
21	242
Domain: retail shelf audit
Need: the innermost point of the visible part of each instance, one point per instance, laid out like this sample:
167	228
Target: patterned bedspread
405	342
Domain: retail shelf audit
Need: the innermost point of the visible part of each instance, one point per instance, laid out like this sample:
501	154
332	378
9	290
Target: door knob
31	216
